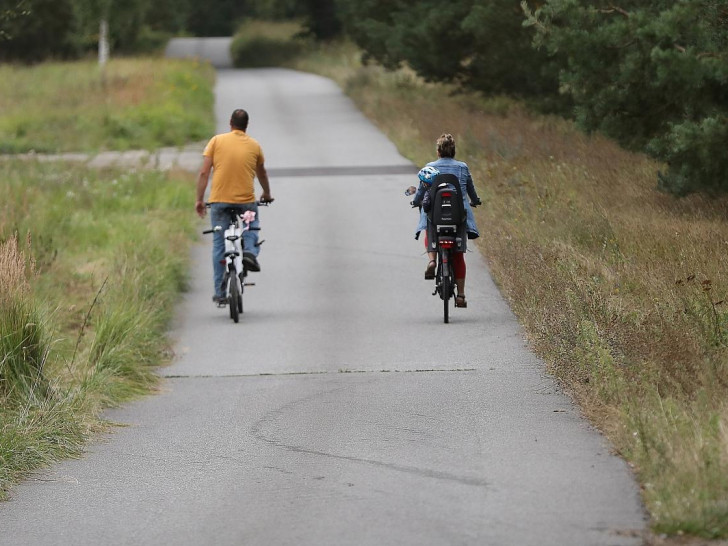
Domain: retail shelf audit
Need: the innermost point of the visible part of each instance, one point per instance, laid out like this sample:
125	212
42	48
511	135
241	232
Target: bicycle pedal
248	284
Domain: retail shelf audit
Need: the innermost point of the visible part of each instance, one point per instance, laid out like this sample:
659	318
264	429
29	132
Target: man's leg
250	236
218	218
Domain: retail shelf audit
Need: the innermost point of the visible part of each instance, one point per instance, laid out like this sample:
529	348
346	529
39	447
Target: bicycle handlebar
259	203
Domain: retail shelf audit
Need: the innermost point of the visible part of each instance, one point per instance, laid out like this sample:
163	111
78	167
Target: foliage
10	10
35	30
322	19
40	29
216	19
481	45
260	44
653	75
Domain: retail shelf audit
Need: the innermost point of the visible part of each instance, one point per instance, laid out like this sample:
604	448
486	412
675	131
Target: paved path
214	50
340	410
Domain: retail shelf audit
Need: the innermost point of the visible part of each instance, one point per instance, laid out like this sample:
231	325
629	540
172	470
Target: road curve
340	410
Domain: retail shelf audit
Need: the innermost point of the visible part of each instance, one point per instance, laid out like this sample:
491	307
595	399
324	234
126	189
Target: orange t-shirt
235	157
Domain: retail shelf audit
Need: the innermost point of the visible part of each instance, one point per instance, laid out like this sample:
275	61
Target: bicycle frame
233	281
444	277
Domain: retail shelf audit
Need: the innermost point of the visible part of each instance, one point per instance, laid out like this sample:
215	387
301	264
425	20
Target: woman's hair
446	145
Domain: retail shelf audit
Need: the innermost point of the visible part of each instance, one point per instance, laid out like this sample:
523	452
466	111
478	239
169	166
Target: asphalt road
340	410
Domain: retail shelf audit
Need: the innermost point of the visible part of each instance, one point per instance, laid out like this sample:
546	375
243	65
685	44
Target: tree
322	19
10	11
220	18
481	44
38	29
651	74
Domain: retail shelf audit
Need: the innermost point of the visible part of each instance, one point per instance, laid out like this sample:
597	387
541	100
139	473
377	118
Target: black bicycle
445	232
446	237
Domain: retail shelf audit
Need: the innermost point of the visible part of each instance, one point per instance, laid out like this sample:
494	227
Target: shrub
258	44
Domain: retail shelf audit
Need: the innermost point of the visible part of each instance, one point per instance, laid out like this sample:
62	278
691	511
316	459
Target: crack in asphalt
271	416
338	372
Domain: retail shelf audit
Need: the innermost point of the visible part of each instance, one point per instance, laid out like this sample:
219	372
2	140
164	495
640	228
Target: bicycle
233	282
446	234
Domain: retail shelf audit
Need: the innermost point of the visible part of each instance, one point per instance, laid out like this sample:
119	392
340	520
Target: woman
447	164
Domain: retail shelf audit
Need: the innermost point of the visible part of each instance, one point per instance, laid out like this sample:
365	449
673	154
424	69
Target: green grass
131	104
621	289
86	294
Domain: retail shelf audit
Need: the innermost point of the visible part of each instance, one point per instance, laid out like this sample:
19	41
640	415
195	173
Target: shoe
250	262
430	271
220	301
460	301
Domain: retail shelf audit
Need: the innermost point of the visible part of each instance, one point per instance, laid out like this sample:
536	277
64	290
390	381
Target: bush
259	44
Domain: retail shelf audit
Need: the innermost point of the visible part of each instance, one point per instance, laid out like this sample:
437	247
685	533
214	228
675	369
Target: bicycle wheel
234	298
240	297
446	286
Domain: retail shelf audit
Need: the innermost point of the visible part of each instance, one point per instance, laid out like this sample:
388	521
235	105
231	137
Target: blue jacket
448	165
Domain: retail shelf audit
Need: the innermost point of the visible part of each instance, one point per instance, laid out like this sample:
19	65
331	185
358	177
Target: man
236	159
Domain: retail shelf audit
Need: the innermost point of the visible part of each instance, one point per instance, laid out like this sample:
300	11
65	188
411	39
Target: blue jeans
250	238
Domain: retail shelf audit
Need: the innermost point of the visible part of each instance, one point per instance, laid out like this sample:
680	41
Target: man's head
239	120
446	146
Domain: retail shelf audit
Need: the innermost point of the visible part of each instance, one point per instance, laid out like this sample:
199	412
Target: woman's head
446	146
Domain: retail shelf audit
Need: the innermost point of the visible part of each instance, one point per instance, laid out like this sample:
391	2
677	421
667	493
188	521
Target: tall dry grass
620	288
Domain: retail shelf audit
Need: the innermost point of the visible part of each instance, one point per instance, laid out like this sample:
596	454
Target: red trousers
458	261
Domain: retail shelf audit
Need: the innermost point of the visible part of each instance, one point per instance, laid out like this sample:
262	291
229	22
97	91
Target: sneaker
220	301
251	262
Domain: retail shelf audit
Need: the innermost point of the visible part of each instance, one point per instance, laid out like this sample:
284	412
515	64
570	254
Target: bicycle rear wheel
234	298
446	285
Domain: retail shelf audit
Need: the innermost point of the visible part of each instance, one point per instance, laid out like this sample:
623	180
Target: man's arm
262	175
202	185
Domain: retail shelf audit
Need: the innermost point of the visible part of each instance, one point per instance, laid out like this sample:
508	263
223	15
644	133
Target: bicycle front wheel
234	298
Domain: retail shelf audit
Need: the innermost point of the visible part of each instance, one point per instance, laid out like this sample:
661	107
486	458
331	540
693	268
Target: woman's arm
470	188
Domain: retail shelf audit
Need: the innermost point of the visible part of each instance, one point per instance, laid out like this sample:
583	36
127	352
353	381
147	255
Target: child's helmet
427	174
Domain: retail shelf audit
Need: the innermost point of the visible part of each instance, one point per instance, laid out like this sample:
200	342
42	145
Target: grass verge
90	266
621	288
131	104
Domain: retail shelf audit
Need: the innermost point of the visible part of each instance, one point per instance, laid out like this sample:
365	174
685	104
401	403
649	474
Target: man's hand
200	208
266	197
